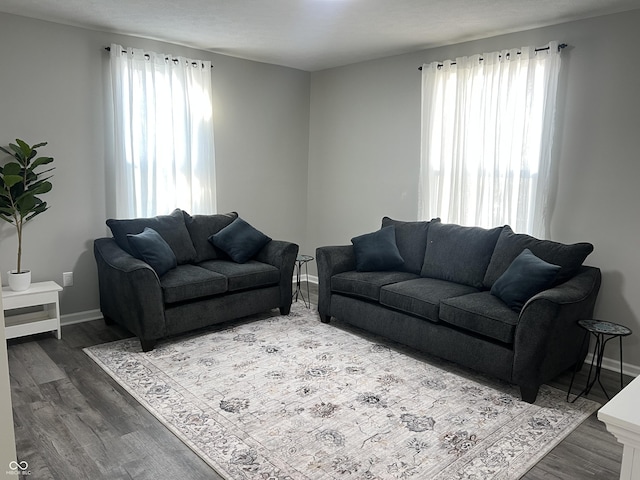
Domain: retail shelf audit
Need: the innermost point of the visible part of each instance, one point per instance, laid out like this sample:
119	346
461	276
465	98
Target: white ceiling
313	34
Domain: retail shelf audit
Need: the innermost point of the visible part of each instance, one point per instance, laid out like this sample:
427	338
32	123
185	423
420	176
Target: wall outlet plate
67	279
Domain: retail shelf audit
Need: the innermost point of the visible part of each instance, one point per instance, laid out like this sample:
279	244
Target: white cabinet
622	418
42	310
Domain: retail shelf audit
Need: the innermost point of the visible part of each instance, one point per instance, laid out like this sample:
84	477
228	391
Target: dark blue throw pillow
526	276
377	251
239	240
152	248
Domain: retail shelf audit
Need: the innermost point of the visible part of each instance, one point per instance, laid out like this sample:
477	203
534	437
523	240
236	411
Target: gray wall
364	150
318	158
52	83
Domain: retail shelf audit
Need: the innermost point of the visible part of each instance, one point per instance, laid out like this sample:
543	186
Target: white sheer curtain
163	133
487	130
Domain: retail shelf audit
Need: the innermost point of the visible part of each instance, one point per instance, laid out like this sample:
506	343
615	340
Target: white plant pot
19	281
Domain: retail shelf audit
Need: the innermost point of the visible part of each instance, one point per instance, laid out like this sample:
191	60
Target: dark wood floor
72	421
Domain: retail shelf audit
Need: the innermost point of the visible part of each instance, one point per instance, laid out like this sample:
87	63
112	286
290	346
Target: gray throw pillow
239	240
201	227
510	245
377	251
458	254
526	276
170	227
150	247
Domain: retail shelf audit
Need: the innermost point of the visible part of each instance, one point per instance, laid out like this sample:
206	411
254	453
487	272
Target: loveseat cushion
201	227
187	282
366	284
377	251
411	240
170	227
510	245
421	296
459	254
242	276
481	313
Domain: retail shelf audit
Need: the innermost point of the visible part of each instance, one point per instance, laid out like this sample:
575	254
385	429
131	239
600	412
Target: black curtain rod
560	47
146	55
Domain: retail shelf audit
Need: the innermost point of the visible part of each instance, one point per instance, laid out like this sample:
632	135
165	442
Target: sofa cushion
481	313
241	276
239	240
510	245
459	254
151	247
377	251
411	240
170	227
526	276
201	227
366	284
421	296
187	282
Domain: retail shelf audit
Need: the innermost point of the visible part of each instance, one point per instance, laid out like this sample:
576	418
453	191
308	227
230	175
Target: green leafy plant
21	185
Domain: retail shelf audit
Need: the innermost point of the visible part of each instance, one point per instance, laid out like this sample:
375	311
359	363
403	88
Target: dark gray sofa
205	287
439	300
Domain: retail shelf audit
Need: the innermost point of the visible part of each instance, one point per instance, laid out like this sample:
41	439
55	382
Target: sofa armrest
330	261
282	255
130	291
548	339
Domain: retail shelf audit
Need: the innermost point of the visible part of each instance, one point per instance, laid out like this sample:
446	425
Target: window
487	128
163	134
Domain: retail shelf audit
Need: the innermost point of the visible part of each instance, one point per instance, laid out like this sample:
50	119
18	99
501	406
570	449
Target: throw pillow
201	227
526	276
377	251
239	240
151	247
170	227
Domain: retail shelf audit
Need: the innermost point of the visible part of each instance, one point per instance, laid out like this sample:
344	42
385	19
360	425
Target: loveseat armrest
130	291
548	340
331	260
282	255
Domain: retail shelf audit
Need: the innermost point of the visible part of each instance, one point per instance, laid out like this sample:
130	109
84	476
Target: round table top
602	326
304	258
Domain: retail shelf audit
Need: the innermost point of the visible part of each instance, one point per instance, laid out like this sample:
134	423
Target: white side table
43	294
622	417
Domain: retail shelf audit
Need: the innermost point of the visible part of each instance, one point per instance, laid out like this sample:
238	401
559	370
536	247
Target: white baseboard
614	366
80	317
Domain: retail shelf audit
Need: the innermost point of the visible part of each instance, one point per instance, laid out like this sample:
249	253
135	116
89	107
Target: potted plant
20	188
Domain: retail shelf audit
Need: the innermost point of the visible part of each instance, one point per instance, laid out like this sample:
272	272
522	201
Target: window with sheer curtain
487	131
163	133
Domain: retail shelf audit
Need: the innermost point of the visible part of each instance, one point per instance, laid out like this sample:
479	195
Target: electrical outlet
67	279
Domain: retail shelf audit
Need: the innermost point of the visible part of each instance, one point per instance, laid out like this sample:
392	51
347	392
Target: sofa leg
529	393
147	345
325	318
108	320
285	310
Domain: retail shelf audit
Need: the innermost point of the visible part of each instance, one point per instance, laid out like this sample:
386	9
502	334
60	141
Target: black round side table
300	261
603	331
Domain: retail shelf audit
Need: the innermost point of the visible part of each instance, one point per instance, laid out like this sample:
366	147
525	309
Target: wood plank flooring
72	421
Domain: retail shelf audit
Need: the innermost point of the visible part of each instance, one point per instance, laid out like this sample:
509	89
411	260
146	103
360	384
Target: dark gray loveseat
439	299
206	287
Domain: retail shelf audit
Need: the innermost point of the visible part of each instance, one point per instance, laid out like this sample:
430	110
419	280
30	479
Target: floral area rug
288	397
